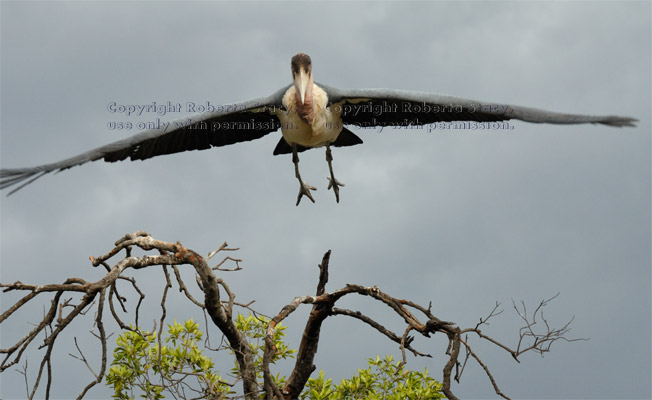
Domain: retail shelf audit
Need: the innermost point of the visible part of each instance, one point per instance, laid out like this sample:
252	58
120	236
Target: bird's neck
306	110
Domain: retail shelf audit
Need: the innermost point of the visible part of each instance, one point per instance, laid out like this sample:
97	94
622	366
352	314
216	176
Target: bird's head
302	75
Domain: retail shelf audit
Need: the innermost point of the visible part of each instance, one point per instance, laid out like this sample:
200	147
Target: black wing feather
387	107
345	138
242	122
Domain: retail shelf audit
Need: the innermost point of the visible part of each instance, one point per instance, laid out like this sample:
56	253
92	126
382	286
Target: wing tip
11	177
618	122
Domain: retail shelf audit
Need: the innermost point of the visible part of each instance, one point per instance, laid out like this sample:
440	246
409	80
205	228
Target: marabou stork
309	116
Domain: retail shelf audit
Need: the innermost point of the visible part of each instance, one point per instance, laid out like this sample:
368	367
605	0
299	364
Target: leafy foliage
140	363
254	329
384	379
181	369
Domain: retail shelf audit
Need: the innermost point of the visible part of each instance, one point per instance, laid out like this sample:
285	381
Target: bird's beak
301	82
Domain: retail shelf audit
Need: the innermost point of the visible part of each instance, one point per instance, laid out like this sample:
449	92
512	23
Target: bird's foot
304	190
335	184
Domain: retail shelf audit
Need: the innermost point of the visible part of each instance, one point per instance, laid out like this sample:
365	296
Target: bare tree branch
486	370
536	335
391	335
102	338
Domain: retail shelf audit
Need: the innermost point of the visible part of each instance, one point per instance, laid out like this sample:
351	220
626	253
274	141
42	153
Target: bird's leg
332	182
304	188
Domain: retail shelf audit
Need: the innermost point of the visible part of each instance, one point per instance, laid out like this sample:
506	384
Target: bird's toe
304	190
335	185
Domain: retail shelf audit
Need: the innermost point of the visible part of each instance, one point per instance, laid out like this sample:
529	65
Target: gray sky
462	218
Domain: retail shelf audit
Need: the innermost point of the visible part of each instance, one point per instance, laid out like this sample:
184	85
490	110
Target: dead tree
536	334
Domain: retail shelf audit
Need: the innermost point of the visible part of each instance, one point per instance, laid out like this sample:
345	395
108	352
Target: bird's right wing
390	107
234	123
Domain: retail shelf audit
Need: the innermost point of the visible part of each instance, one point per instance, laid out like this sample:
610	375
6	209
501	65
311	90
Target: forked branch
218	302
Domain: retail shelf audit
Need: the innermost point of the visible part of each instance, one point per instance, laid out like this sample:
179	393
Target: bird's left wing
229	124
389	107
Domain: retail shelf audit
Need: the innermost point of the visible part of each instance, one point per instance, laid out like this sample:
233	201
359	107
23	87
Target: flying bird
309	115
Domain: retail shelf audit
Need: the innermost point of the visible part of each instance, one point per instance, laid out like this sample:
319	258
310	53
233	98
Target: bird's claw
335	185
304	190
